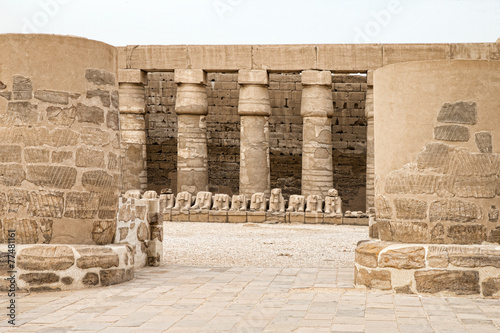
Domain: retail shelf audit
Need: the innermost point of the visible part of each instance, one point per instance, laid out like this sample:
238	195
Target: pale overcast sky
129	22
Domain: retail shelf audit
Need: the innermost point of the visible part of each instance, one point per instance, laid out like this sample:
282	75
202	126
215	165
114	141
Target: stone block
10	153
394	53
436	156
473	257
236	217
167	215
465	163
100	77
355	221
256	217
451	133
180	216
97	180
142	232
220	57
102	94
474	51
103	232
100	257
458	282
382	204
21	113
35	155
217	216
50	258
39	278
475	186
89	158
410	209
193	76
313	218
46	203
411	257
109	277
376	279
454	210
275	217
90	279
458	113
253	76
89	114
405	181
61	177
61	116
484	142
284	57
467	234
294	217
366	253
316	78
26	230
132	122
154	253
112	119
349	57
54	97
198	215
491	287
437	257
132	76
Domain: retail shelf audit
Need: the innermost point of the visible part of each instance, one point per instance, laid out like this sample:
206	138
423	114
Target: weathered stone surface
81	205
142	232
40	258
374	279
405	232
437	257
89	114
39	278
411	257
21	113
491	286
465	163
2	85
467	234
17	198
115	99
51	176
438	234
89	158
93	136
45	227
112	119
22	87
35	155
6	94
4	204
26	230
123	233
493	214
46	203
475	186
61	137
459	113
67	280
103	95
157	229
61	116
484	142
100	76
367	253
410	209
113	161
103	232
90	279
276	201
454	210
102	257
383	207
435	156
451	133
472	257
10	153
92	180
458	282
50	96
61	156
115	276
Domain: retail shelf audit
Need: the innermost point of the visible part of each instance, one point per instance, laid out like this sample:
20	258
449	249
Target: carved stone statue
203	200
258	202
150	195
296	203
493	214
183	201
221	202
276	202
239	202
333	203
132	194
314	204
168	196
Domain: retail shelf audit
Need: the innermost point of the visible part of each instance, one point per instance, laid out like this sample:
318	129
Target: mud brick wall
348	128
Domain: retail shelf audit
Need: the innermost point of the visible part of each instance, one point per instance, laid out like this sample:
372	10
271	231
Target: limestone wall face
59	139
437	152
285	127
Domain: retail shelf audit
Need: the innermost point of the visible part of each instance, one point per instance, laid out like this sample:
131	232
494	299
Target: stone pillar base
429	268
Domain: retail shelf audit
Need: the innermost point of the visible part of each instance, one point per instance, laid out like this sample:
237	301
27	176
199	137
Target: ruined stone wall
437	152
349	134
59	141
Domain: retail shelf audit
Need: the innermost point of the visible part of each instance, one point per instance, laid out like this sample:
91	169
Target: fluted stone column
316	111
191	107
370	156
254	109
133	128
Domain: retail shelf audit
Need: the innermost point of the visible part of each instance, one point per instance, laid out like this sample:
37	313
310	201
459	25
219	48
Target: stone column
133	128
316	111
254	109
370	156
191	107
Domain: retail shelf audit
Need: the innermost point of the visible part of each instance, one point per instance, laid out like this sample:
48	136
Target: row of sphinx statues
185	201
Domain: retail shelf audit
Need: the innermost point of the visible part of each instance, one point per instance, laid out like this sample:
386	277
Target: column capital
253	76
316	78
192	76
136	76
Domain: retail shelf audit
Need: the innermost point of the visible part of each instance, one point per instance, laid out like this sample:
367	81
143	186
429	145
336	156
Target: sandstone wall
59	139
223	124
437	151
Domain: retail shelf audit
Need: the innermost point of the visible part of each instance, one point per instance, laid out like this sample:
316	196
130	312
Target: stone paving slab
247	299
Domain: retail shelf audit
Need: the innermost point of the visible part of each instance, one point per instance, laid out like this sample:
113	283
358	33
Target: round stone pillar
191	107
254	109
133	128
316	111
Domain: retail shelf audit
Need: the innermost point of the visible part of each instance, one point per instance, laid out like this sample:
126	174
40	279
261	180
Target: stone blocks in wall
426	268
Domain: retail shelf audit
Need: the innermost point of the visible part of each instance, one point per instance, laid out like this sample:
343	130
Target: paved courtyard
175	298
